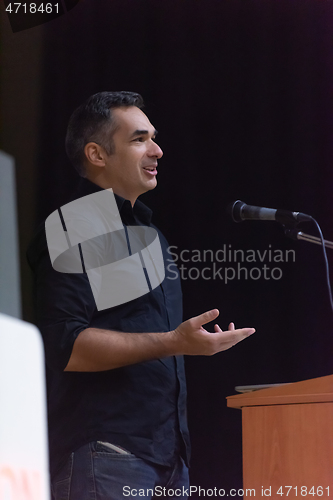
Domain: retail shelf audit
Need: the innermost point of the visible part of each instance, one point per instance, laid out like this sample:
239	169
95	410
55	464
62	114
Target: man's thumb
205	317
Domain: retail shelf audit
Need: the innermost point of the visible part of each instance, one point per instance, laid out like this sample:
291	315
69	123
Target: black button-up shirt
141	407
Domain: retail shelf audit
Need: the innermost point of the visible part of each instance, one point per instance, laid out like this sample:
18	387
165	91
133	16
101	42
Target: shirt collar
140	211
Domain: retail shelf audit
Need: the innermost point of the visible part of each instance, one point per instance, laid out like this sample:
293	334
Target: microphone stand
299	235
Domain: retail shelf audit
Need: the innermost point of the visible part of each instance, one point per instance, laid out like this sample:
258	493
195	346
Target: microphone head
234	210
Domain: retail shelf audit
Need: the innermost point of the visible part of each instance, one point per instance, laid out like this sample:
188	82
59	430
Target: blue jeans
96	472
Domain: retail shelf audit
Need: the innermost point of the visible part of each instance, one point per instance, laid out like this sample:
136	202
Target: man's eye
138	139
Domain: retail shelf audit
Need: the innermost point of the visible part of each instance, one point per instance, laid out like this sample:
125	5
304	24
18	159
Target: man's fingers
226	339
241	334
249	331
236	336
204	318
244	332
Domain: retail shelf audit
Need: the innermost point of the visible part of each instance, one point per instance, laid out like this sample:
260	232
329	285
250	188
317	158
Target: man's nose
155	150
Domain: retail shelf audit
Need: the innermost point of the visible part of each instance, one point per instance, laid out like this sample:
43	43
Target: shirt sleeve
64	303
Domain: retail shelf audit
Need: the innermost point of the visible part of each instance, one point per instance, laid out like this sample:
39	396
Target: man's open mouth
151	170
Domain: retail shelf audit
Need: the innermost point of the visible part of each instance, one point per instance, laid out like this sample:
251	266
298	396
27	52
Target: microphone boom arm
299	235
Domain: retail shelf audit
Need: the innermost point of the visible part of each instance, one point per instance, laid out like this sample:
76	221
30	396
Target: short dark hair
93	121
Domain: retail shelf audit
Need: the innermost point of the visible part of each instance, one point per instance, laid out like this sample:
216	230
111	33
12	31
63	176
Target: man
115	377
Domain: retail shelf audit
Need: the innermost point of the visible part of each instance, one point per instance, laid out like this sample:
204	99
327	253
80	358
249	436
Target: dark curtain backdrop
241	93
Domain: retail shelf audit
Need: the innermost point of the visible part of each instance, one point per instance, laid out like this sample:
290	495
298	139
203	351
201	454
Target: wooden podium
288	439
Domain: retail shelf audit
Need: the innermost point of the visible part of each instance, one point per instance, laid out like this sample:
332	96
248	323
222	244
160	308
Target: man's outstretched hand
99	350
192	339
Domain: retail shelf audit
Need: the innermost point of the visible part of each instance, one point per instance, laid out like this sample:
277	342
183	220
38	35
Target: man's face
131	169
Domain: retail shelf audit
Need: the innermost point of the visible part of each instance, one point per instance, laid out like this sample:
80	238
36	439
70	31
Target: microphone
239	211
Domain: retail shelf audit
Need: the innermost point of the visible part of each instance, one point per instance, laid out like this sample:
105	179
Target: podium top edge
306	391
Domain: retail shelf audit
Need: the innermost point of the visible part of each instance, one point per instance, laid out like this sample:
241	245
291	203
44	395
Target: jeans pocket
103	446
62	481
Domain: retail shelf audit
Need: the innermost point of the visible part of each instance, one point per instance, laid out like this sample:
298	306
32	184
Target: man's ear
95	154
